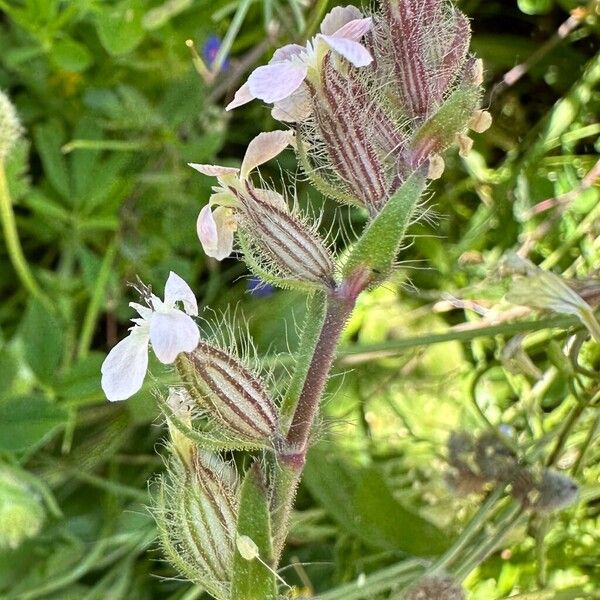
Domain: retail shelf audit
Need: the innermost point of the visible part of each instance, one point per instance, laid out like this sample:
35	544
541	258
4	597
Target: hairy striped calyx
277	244
196	511
233	397
370	127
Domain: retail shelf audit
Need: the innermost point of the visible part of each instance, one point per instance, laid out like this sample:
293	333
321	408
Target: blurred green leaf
120	27
42	338
27	420
71	55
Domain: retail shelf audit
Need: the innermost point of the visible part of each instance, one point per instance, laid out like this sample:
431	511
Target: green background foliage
113	109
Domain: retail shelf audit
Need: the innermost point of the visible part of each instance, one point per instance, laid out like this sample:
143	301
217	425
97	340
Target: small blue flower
210	50
259	288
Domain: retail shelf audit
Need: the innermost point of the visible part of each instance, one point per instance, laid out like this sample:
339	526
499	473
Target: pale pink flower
282	81
168	329
216	228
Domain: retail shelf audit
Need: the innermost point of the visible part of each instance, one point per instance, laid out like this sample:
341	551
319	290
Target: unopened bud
10	126
556	491
281	243
463	478
437	587
544	492
196	513
22	513
233	396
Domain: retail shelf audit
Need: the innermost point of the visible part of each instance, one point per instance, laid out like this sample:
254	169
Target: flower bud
180	404
22	513
10	126
544	492
196	513
556	491
233	396
436	587
280	243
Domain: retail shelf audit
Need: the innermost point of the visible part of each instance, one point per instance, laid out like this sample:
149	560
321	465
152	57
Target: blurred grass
113	109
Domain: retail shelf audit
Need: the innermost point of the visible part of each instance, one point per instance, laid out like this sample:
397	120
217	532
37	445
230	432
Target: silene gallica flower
376	99
282	81
162	324
274	237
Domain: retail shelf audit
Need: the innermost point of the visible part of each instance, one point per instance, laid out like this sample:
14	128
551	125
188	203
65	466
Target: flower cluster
371	102
376	98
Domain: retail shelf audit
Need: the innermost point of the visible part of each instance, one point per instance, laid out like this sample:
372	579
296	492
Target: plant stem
13	245
469	531
291	458
393	577
486	547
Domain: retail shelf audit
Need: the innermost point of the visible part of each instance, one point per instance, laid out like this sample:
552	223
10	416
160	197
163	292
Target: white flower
216	228
169	330
281	82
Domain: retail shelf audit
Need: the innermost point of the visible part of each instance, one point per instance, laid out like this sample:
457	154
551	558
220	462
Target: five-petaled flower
169	330
281	82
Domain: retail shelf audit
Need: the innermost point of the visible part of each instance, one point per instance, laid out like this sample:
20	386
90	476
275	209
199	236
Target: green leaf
384	521
120	27
27	420
43	342
71	55
363	504
252	580
49	138
378	246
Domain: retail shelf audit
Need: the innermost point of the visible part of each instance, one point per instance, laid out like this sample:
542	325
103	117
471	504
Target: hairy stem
291	458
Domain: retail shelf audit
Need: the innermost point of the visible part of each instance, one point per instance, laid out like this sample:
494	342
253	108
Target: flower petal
295	108
352	51
215	231
207	229
124	369
286	52
213	170
338	17
264	147
226	226
177	290
354	30
272	83
142	310
242	96
171	333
